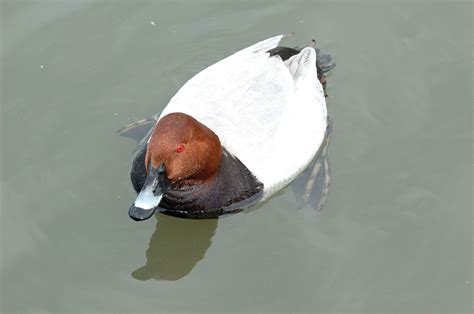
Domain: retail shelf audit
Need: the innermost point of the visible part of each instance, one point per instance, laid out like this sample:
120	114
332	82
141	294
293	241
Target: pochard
235	134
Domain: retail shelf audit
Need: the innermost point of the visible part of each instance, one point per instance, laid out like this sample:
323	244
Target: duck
235	134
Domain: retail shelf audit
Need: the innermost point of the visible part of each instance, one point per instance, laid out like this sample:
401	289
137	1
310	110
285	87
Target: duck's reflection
175	247
178	244
312	186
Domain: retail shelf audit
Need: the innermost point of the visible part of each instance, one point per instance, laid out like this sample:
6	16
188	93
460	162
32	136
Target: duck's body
269	114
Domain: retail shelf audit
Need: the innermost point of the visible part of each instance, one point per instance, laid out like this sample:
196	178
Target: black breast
232	189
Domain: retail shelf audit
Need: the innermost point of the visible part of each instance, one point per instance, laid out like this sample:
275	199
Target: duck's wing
238	97
269	113
140	129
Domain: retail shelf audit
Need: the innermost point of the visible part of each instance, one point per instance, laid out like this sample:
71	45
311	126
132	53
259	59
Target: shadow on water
175	247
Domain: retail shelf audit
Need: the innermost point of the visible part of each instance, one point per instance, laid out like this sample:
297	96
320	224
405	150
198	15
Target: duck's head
181	151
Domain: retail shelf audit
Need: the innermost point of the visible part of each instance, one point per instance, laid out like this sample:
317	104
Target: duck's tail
324	65
323	60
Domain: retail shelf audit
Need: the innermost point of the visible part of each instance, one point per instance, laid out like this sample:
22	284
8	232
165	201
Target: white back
269	113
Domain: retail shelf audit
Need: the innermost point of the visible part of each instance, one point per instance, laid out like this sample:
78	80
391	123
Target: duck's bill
149	198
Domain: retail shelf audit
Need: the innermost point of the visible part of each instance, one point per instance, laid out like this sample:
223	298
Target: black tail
323	61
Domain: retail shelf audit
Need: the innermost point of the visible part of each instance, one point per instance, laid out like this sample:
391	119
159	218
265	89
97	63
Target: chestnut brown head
188	149
181	150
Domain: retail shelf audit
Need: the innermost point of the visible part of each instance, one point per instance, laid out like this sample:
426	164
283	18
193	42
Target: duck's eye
180	148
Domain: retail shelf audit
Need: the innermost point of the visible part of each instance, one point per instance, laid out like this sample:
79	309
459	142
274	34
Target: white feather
269	113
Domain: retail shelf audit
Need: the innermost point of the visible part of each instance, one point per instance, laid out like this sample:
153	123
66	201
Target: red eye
180	148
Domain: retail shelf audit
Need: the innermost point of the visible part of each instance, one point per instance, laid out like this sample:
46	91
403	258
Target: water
394	235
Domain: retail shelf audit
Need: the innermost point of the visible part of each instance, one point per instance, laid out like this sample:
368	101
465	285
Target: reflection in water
178	244
175	247
312	186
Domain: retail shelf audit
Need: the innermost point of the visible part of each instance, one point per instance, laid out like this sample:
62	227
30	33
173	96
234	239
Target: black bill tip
139	214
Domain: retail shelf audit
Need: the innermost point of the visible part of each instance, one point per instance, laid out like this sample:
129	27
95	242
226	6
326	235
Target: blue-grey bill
145	205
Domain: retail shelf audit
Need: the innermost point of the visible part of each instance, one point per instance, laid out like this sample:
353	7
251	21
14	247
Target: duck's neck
232	188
